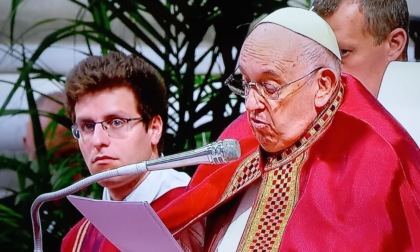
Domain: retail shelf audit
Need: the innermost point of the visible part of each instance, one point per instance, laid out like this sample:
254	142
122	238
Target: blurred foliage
197	43
57	217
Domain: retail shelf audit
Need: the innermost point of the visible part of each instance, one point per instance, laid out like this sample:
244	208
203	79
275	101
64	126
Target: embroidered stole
278	191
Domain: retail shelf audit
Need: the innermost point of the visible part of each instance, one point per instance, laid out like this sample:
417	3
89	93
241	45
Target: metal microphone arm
219	152
36	205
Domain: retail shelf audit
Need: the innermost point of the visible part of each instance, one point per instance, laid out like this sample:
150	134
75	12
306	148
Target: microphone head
224	151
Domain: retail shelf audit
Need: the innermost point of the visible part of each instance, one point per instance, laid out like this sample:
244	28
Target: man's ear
326	81
155	129
397	40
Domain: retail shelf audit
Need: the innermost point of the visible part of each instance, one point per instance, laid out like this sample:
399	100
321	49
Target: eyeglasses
115	128
270	91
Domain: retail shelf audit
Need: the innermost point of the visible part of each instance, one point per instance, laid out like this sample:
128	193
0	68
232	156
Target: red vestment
358	186
355	178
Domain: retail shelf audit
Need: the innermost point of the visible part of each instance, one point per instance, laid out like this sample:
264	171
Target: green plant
15	219
197	43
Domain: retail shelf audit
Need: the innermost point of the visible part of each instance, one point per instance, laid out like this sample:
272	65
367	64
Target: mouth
257	124
103	159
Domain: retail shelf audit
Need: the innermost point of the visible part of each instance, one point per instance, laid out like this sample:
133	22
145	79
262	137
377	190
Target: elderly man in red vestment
324	166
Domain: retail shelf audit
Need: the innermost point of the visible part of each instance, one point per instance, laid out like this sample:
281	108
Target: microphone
219	152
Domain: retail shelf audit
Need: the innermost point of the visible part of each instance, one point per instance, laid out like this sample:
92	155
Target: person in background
58	138
118	104
370	35
324	166
373	39
62	152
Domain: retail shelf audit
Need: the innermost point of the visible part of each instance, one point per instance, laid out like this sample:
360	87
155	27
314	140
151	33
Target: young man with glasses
119	108
327	168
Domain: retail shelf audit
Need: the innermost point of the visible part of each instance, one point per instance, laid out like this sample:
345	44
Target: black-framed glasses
115	128
270	91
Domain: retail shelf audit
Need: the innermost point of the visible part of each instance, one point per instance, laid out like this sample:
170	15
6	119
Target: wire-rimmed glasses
270	91
114	127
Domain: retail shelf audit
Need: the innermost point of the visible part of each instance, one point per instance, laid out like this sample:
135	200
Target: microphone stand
36	205
219	152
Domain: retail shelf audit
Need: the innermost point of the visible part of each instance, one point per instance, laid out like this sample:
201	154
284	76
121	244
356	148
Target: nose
100	137
253	100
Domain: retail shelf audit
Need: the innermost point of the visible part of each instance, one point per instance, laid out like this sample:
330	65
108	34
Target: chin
270	146
266	144
110	182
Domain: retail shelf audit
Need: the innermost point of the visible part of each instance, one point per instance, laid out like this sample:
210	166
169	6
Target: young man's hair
381	16
115	69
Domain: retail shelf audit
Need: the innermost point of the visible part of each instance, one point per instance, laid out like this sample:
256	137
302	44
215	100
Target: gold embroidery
279	188
246	172
80	236
272	209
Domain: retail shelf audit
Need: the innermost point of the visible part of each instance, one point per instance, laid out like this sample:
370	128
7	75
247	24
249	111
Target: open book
130	226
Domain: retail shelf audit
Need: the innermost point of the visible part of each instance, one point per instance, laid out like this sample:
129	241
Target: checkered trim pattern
272	209
279	190
246	173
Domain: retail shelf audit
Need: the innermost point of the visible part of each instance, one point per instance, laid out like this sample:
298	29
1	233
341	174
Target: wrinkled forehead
273	34
270	44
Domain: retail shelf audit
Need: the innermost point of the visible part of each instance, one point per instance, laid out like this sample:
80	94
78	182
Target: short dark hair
115	69
381	16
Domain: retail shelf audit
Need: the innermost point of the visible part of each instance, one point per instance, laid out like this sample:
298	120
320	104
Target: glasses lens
235	84
268	90
75	131
116	128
